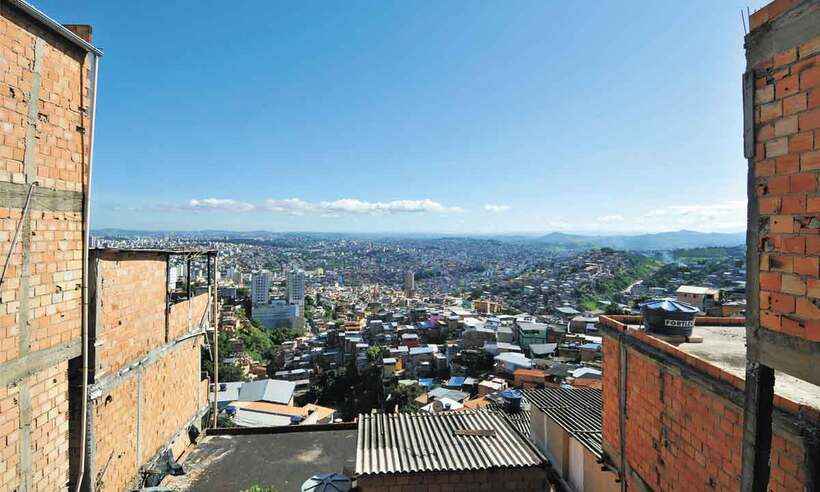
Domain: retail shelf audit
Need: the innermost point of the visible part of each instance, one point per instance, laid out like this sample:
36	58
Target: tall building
409	283
296	287
261	281
278	311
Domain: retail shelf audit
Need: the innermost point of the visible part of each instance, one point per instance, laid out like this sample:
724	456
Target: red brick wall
679	434
131	321
56	237
131	317
787	163
183	319
34	405
137	416
170	394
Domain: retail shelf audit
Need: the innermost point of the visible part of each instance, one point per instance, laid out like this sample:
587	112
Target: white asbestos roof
422	442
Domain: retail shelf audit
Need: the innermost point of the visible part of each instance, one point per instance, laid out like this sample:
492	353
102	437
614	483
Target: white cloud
220	204
490	207
728	215
292	206
297	206
725	216
201	205
609	219
353	206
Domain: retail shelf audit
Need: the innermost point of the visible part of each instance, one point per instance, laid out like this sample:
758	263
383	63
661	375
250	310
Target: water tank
668	317
327	482
512	398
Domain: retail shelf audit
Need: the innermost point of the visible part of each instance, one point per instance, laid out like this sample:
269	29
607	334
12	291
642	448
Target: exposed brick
810	78
778	185
795	104
810	160
770	281
809	120
813	101
785	57
777	147
813	204
782	303
806	309
765	133
781	263
785	126
770	111
792	326
787	86
55	302
801	142
764	94
787	164
770	320
793	204
782	224
794	245
771	204
813	245
792	284
802	183
806	265
813	287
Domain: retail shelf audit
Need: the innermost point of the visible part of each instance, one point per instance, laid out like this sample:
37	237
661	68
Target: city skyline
437	120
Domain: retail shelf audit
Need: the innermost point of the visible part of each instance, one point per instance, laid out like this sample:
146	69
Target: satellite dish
437	406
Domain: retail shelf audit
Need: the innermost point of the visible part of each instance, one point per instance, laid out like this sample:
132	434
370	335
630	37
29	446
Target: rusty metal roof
417	442
577	410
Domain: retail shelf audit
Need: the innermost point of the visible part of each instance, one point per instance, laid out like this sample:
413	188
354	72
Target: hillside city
398	323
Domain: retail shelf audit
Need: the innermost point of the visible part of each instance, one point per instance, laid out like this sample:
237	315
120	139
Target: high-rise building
260	286
409	283
274	314
173	277
296	287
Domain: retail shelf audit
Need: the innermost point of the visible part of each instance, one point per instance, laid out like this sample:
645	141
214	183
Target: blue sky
460	117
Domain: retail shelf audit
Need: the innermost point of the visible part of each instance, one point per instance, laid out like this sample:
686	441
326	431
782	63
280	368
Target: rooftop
452	441
725	347
578	411
693	289
282	461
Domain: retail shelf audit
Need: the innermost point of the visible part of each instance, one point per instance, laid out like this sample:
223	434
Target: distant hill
643	242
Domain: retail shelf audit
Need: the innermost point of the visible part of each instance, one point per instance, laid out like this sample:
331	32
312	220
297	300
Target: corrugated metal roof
520	419
577	410
272	390
415	442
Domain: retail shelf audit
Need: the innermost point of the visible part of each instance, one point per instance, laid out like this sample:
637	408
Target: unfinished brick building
741	410
65	320
781	97
47	87
146	390
673	414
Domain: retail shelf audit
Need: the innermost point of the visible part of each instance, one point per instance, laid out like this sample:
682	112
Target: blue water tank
230	410
513	399
669	317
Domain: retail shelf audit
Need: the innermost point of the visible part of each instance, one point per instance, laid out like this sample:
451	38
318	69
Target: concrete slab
281	461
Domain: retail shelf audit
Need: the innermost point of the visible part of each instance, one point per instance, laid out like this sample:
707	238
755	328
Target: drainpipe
95	61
